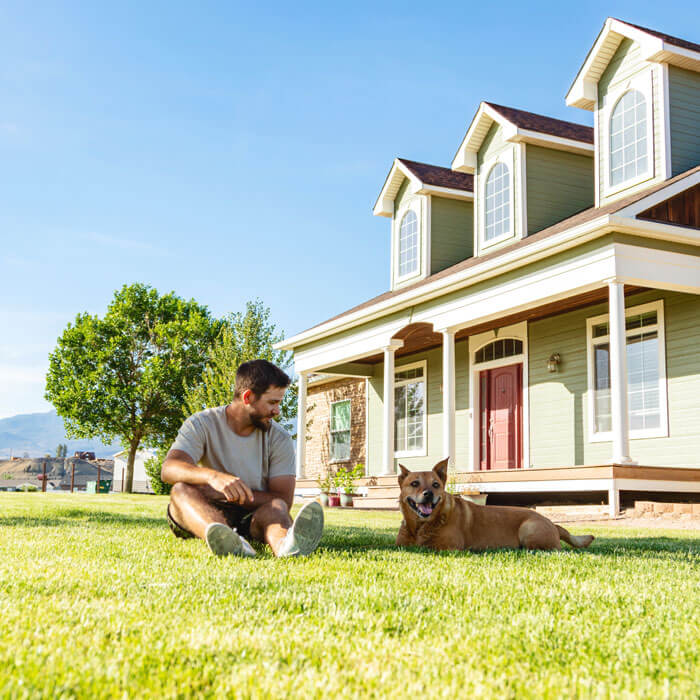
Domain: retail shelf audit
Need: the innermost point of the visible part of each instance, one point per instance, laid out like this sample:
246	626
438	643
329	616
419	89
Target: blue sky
227	151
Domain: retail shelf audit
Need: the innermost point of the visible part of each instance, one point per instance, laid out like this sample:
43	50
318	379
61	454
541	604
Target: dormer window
497	203
629	153
408	245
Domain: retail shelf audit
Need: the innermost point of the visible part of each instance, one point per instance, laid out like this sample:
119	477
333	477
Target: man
233	473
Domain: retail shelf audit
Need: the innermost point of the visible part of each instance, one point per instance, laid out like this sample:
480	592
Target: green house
542	326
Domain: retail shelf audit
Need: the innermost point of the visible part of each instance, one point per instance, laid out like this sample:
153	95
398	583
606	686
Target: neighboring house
141	483
543	320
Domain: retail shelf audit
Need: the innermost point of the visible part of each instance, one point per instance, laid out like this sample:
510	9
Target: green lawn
97	599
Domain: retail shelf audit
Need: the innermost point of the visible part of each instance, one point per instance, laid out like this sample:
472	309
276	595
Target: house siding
451	232
625	64
558	402
559	184
492	146
684	98
433	359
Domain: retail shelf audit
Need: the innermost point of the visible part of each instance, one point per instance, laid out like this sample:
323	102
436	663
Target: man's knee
181	492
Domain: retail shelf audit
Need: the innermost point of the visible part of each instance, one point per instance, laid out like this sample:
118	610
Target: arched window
628	138
408	244
498	349
497	202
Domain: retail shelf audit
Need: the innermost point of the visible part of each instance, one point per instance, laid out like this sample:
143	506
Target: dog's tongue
425	508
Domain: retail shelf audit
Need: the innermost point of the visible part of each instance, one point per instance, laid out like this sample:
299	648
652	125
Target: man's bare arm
277	487
179	466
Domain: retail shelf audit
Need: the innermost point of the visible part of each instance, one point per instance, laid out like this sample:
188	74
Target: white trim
367	462
510	260
385	204
642	83
507	158
522	195
597	143
519	332
331	459
414	205
465	160
301	425
423	364
662	430
427	228
582	91
665	112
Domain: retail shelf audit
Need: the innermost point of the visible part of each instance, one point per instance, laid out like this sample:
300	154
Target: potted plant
347	478
325	483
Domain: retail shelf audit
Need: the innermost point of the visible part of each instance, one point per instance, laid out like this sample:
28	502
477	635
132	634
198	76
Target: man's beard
257	420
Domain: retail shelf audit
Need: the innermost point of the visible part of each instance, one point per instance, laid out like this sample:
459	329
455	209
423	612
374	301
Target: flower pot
346	500
333	499
324	500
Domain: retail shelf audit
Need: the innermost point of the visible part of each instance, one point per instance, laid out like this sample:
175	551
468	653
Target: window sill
634	435
611	190
418	453
485	245
340	461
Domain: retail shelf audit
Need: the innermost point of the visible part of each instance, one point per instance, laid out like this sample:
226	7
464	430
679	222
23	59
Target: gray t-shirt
208	439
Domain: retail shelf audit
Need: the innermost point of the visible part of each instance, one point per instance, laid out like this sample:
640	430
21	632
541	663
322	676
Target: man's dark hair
259	376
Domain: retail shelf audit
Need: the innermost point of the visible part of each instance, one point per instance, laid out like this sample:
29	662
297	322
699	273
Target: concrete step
378	503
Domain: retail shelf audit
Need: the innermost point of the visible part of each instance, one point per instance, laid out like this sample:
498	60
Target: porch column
388	467
618	375
301	426
448	396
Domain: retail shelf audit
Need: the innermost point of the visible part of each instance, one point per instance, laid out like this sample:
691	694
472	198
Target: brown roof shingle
682	43
544	125
438	176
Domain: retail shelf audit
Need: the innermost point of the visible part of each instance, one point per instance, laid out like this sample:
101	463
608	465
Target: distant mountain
39	433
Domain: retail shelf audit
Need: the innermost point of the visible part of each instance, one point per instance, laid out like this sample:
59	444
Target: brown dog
434	518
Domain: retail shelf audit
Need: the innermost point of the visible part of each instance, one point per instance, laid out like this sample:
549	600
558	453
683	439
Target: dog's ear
441	470
404	473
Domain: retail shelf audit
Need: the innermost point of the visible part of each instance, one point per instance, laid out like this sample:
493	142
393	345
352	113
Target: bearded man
233	473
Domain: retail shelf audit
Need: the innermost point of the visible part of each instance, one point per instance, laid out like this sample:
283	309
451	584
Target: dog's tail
578	541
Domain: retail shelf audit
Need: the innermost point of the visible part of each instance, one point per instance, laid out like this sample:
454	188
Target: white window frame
662	430
506	158
333	460
402	368
413	206
642	83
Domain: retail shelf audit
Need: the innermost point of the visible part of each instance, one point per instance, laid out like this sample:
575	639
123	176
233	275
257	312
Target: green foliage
248	335
152	466
61	451
616	621
124	376
327	481
28	487
345	479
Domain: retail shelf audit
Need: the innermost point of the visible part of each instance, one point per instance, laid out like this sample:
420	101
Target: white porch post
301	426
388	447
448	396
618	375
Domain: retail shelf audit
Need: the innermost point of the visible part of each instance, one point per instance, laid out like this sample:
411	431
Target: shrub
152	467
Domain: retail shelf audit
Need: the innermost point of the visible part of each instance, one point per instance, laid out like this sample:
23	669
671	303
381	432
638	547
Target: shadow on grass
363	539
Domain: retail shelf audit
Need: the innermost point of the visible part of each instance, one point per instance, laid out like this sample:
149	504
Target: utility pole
97	490
72	476
43	478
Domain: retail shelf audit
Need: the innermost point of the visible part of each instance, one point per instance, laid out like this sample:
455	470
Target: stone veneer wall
318	413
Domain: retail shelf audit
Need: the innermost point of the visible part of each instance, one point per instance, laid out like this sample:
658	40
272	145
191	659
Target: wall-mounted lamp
553	361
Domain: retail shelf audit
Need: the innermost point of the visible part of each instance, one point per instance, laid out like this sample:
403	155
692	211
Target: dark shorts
236	516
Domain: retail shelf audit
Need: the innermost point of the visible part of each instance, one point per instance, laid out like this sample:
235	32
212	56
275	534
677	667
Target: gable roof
656	47
596	217
520	125
425	179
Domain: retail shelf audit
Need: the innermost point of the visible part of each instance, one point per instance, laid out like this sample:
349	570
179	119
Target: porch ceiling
420	336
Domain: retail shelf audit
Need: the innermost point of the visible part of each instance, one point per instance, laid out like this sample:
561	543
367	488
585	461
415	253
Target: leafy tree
248	335
124	376
152	467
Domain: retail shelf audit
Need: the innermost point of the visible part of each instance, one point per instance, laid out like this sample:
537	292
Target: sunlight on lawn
99	600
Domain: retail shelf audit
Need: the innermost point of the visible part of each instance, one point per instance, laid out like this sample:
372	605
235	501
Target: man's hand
234	489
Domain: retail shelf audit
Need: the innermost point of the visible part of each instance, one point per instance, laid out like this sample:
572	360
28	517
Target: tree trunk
129	485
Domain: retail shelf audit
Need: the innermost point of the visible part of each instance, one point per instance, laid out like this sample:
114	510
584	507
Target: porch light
553	361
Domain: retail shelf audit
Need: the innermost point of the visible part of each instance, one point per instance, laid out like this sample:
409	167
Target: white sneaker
305	534
222	540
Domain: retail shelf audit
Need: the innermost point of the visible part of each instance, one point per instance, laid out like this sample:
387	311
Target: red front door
501	392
